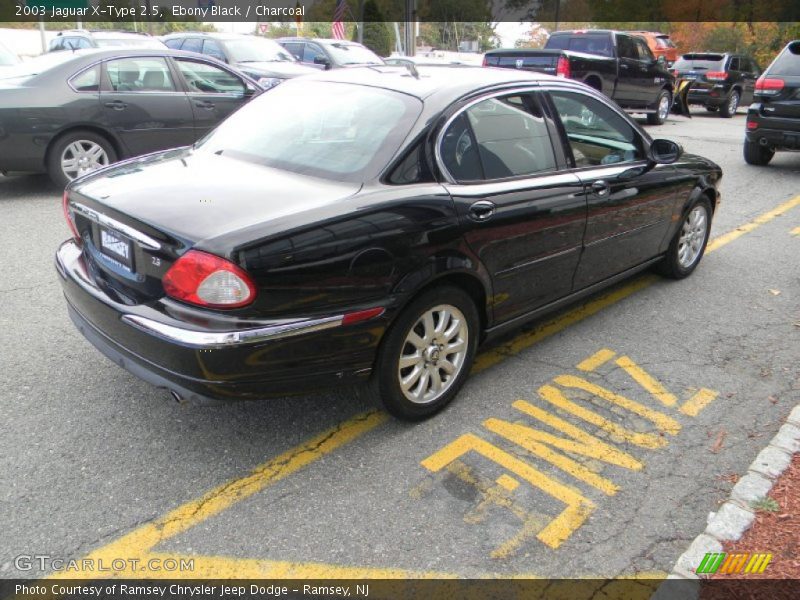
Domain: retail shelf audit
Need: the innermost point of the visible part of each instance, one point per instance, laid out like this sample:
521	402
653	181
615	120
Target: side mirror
322	60
661	60
665	152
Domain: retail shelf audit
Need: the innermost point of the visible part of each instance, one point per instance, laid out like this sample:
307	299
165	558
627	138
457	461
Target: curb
736	515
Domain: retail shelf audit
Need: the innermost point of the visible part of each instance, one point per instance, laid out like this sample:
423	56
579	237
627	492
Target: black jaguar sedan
373	224
68	113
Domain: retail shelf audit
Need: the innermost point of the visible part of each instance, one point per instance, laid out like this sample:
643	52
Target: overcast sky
507	31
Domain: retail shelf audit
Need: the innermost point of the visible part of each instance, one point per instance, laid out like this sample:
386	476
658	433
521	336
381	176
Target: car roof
446	83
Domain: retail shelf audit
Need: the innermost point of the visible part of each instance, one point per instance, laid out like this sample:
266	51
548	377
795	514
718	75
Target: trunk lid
137	218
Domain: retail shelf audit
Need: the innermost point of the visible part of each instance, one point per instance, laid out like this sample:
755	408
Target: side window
175	43
139	75
87	81
212	48
83	43
597	134
413	168
735	64
296	48
643	51
626	48
193	45
56	44
311	52
498	138
202	77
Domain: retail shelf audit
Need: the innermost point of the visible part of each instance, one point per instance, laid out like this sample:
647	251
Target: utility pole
360	22
410	29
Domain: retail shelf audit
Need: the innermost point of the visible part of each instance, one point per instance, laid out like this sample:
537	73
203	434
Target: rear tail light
485	62
717	75
769	86
562	67
752	125
70	221
210	281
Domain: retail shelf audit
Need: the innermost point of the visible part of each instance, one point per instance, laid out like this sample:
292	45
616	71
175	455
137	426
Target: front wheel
663	106
427	354
689	243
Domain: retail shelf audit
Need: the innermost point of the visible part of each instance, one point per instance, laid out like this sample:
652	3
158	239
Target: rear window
350	136
590	44
519	61
788	61
700	62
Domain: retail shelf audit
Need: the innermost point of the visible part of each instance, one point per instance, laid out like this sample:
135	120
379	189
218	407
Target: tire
727	110
90	149
756	154
663	105
712	108
418	399
687	247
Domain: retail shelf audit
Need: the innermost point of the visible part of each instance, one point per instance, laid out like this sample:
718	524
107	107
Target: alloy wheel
81	157
693	236
433	354
663	107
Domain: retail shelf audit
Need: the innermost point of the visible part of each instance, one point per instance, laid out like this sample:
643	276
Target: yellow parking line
698	402
754	224
140	541
647	381
596	360
144	538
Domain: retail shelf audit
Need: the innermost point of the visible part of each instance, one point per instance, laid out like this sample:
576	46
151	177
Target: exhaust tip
763	141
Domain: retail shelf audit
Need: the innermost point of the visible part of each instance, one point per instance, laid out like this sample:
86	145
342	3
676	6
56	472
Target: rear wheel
427	354
663	106
77	153
727	110
689	243
756	154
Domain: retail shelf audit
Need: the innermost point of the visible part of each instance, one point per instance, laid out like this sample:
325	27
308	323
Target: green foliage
765	504
377	34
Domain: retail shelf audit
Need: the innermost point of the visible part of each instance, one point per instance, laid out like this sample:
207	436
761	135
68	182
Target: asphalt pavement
593	443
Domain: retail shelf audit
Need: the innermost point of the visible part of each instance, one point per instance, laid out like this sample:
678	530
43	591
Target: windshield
40	64
143	42
353	54
331	130
257	49
588	43
700	62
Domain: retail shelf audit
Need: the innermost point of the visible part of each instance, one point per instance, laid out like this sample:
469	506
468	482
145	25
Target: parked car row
616	63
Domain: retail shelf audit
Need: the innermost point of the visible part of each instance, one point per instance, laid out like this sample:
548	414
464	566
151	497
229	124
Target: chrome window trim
437	150
107	221
217	339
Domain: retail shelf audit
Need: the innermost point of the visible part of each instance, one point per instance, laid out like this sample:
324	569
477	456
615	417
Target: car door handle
623	66
204	104
482	210
117	105
600	188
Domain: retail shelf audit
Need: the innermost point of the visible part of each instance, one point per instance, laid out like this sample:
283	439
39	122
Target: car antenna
411	69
